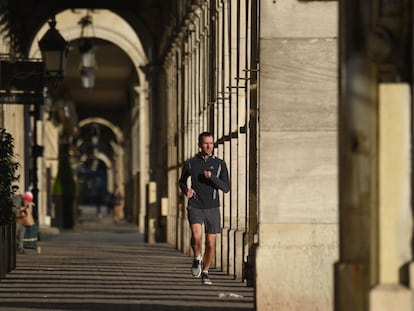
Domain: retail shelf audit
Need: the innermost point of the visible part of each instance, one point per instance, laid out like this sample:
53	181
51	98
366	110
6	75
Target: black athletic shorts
210	217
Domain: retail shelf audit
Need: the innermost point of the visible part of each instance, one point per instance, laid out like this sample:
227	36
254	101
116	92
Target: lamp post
54	50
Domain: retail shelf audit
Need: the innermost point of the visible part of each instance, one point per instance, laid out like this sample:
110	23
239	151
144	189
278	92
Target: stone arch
117	132
114	175
107	25
113	28
111	176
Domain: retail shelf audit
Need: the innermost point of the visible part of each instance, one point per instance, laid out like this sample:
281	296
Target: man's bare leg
210	251
196	242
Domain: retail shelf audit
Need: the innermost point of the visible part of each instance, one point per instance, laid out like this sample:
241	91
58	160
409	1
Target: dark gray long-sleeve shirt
206	190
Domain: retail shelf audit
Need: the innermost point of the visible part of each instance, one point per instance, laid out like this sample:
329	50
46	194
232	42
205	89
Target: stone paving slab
103	266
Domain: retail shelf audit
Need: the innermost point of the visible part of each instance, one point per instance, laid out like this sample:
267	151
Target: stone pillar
252	130
172	189
152	213
144	151
366	276
298	236
14	124
394	203
240	79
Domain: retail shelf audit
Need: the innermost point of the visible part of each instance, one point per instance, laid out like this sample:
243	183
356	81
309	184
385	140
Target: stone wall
298	225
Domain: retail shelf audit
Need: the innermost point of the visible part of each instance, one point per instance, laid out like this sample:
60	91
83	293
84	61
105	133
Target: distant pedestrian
109	204
23	208
98	203
208	175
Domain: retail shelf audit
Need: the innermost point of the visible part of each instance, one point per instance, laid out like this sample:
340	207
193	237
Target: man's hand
207	174
190	193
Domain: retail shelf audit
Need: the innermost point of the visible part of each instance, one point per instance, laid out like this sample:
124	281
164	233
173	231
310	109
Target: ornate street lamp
54	51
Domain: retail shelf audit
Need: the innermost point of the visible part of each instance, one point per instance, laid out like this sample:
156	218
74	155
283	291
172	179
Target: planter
64	215
3	261
8	169
7	249
13	246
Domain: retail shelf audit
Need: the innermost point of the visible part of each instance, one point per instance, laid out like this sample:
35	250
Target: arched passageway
182	72
182	83
116	105
262	77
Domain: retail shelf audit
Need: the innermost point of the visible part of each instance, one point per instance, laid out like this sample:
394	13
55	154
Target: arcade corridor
125	109
310	105
109	267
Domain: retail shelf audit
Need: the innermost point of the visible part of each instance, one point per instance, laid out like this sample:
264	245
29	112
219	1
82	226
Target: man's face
207	145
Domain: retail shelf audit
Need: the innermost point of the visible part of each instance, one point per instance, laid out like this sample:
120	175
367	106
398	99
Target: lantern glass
54	50
88	58
54	62
88	77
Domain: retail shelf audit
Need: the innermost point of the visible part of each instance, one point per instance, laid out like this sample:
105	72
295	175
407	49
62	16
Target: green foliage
64	183
8	169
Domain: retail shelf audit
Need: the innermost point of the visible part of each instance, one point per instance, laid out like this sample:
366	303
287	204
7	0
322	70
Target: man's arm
222	181
182	182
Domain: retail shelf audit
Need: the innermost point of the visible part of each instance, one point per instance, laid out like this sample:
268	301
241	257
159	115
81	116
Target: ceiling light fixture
87	52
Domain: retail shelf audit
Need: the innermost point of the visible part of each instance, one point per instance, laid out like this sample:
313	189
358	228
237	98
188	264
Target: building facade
307	112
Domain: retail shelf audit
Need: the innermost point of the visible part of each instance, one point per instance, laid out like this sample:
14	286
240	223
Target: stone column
144	150
297	163
394	202
231	136
366	273
14	124
242	173
224	128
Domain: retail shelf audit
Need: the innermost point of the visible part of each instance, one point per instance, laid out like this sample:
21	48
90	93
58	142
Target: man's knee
196	230
196	239
211	241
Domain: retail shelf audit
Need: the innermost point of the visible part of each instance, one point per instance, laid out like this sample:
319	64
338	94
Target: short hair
203	134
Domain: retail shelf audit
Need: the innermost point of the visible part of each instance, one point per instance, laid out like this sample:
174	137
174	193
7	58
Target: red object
28	197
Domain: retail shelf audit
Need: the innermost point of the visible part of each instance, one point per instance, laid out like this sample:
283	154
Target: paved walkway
102	266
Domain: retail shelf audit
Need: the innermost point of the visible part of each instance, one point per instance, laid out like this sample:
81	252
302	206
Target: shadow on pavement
104	266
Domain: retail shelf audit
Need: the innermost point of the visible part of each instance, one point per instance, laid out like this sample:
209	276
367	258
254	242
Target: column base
385	297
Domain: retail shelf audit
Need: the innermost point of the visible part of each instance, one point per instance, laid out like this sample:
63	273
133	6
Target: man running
208	175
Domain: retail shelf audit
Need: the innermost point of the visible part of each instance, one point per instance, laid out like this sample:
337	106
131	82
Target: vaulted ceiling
115	73
109	98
